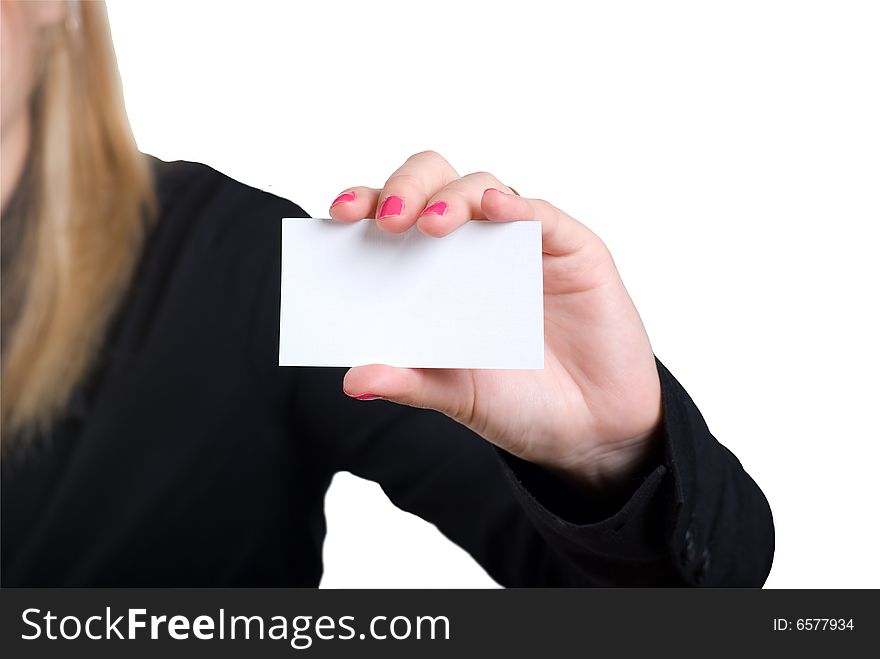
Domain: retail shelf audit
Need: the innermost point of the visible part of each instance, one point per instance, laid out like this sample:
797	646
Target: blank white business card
353	294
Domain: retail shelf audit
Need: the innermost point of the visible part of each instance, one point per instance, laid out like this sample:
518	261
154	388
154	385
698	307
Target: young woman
133	456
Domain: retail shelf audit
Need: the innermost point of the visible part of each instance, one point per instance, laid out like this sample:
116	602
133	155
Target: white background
728	153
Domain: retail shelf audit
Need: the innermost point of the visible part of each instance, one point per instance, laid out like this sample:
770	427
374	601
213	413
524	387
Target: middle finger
405	192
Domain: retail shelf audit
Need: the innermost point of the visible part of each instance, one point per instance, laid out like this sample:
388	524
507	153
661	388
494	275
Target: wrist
615	467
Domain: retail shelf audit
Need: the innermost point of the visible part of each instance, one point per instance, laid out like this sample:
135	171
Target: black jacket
189	457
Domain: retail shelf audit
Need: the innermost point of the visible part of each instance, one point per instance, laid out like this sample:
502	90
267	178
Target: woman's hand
592	412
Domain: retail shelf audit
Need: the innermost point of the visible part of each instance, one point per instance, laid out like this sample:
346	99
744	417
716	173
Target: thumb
449	391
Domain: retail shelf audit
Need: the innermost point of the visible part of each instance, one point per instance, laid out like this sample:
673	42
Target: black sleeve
693	518
696	518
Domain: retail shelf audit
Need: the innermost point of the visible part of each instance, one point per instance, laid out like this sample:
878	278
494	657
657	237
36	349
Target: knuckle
429	155
547	208
460	193
484	178
405	181
474	183
455	193
599	245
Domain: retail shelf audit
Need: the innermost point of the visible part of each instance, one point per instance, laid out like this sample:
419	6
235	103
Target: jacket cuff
650	522
581	522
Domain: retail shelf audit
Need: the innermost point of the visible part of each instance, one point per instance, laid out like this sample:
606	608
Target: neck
14	151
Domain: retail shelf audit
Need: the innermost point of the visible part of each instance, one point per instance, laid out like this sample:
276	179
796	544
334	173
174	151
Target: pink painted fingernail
364	396
393	205
345	197
367	396
437	208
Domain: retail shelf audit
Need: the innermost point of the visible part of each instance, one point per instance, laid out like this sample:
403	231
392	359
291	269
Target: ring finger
457	203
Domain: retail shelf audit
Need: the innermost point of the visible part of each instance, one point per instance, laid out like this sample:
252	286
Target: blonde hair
88	195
